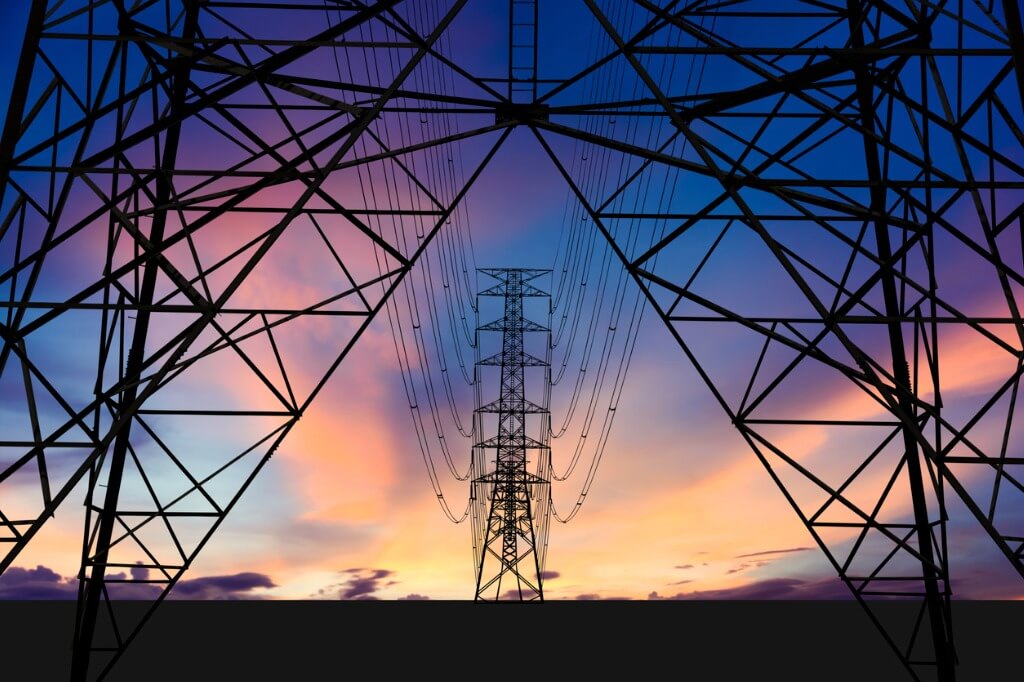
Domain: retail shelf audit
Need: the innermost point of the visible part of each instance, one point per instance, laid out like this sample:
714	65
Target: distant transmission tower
508	547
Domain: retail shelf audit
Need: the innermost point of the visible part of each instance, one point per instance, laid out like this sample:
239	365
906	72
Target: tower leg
94	587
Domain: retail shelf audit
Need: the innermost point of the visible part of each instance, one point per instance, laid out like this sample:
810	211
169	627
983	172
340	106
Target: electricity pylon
508	549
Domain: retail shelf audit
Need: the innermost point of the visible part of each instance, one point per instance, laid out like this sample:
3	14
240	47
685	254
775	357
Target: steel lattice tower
509	540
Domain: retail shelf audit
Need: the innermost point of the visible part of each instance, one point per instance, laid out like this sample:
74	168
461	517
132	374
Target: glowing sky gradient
680	505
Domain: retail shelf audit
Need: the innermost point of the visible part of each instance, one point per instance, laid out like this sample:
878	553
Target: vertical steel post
93	587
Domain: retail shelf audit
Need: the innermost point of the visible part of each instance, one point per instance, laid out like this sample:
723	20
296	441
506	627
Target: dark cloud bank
773	588
45	583
361	584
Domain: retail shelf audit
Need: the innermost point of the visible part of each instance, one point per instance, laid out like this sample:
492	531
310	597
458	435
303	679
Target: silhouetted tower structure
798	197
522	55
508	549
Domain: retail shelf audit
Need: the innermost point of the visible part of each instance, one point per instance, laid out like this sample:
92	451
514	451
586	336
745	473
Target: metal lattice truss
849	180
510	503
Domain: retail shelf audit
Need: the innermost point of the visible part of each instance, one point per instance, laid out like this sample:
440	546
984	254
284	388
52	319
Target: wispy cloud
774	588
769	552
359	583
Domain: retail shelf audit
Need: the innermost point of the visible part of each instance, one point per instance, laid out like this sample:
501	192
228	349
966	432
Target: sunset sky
680	506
